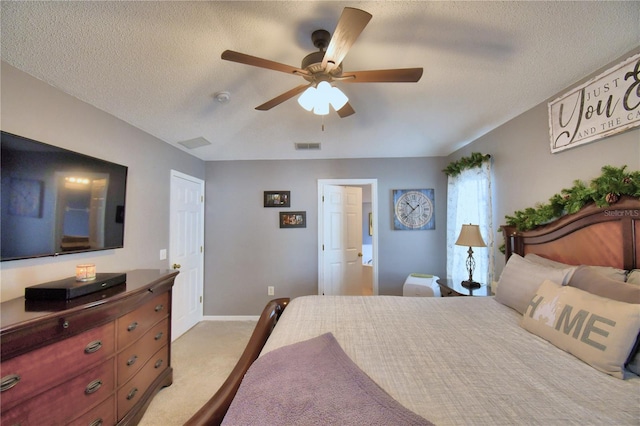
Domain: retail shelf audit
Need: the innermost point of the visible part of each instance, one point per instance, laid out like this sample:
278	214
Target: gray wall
38	111
525	172
246	250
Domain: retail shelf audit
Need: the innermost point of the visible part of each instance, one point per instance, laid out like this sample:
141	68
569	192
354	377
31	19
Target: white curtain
469	201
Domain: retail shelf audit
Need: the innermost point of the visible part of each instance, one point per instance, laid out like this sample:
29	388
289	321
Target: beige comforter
462	360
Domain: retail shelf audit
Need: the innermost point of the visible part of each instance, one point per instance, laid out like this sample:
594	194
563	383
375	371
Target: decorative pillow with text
599	331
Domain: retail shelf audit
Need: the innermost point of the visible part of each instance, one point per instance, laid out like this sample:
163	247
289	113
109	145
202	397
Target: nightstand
449	288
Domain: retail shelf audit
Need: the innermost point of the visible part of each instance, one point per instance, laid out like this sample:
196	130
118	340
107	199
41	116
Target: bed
461	360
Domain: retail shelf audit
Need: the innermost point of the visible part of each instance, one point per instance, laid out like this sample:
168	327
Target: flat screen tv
55	201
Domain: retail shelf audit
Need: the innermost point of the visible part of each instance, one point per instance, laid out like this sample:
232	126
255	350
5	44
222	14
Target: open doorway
368	249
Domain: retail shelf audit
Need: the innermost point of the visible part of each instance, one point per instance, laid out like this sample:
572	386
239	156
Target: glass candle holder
86	272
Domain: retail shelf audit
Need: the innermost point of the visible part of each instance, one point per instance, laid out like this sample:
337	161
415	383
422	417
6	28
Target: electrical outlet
271	290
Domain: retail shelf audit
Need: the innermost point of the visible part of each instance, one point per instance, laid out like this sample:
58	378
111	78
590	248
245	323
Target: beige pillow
607	271
601	332
634	277
520	279
587	279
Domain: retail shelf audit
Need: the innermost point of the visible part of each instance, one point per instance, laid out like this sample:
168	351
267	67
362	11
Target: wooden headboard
608	236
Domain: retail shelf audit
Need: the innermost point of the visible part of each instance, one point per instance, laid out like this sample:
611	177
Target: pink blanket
313	383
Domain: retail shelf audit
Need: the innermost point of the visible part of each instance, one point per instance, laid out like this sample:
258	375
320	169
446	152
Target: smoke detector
222	97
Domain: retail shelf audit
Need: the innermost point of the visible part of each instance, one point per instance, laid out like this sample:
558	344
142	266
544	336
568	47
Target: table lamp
470	237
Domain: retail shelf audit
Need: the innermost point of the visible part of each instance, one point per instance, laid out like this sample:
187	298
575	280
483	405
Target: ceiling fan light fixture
319	98
307	99
337	98
321	108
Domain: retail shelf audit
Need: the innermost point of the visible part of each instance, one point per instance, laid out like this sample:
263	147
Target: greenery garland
474	160
603	191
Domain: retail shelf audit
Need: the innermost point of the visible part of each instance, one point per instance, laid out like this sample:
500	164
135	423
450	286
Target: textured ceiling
157	66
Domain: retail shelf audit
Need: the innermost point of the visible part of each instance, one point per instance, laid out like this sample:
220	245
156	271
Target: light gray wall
246	250
525	172
33	109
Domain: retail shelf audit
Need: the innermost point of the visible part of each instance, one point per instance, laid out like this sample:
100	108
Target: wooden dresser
94	360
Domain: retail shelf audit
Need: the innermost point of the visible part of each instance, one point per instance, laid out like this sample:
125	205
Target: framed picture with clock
413	209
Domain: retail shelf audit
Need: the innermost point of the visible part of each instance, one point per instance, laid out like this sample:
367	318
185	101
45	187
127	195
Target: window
469	201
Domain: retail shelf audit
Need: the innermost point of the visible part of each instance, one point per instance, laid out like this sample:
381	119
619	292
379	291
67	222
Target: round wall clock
413	209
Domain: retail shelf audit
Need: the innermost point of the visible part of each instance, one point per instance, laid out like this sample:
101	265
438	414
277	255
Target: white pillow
521	278
607	271
634	277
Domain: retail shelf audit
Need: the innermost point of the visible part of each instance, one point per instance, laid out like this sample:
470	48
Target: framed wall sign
293	219
603	106
413	209
277	198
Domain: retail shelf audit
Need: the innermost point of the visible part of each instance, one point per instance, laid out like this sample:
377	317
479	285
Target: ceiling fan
326	64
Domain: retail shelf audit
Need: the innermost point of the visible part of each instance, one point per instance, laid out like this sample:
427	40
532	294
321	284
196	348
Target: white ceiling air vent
303	146
195	143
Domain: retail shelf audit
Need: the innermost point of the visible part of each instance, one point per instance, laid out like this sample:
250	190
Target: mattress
462	361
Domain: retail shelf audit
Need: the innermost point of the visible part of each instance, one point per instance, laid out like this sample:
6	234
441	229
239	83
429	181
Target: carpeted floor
201	360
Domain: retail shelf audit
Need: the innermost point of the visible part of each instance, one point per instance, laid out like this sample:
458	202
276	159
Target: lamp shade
337	98
470	236
307	99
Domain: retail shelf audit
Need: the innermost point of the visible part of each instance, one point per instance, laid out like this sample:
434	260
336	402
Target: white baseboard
230	318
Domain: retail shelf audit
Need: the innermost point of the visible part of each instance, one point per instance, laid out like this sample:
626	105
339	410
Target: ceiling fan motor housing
313	61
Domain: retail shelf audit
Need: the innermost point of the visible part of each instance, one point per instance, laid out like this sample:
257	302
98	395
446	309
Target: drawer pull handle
159	308
132	394
132	326
65	324
9	381
158	336
93	347
158	363
132	360
96	422
93	387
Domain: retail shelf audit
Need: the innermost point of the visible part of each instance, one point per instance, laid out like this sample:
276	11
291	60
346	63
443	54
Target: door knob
176	266
359	254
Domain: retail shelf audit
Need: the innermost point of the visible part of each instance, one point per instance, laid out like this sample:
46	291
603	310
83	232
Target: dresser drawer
134	324
44	368
134	357
61	404
103	415
133	390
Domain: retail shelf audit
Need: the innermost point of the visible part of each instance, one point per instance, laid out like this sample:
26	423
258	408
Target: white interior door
342	240
186	251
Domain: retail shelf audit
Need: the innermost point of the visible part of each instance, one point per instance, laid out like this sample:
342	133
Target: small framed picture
277	198
293	219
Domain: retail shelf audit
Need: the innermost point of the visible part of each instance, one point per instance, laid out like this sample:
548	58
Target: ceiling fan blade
230	55
403	75
281	98
350	25
346	110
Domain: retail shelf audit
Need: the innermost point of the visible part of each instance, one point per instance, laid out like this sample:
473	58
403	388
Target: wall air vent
307	146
